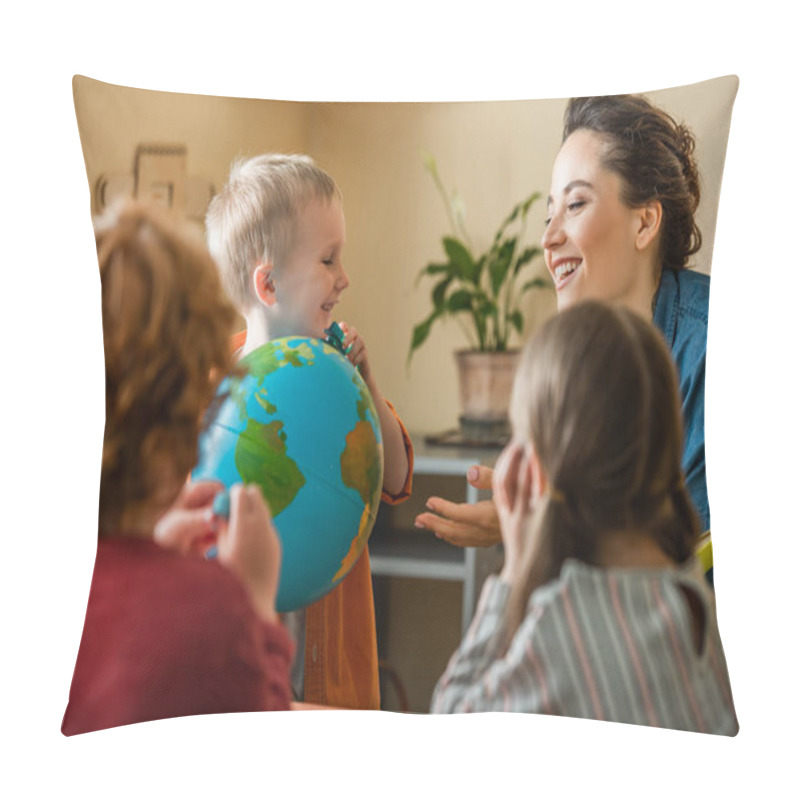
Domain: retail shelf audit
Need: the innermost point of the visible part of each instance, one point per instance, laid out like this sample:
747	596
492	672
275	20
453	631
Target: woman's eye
575	205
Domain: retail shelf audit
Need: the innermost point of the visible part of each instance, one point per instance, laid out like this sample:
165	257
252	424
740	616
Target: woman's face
590	239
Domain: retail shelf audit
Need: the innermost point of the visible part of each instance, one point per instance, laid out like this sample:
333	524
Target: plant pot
485	381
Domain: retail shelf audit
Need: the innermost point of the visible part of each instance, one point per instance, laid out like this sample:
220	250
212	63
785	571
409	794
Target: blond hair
253	219
166	326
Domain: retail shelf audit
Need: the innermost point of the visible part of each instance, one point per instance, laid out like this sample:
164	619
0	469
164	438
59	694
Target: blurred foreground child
601	610
168	633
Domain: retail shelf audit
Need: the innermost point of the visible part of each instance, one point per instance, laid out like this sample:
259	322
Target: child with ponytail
601	610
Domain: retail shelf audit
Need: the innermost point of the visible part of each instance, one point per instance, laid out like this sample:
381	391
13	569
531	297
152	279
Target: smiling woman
624	192
621	229
596	247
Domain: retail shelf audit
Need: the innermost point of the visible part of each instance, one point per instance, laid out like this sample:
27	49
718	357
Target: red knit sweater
168	636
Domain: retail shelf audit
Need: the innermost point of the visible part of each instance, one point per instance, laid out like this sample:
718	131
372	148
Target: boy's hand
356	351
190	526
395	459
249	547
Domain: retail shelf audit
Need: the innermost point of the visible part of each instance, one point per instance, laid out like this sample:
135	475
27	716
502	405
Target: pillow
176	149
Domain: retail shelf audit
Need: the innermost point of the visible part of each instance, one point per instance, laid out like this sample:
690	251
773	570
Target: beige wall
495	153
114	120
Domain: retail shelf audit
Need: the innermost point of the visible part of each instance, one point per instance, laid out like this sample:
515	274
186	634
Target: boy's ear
263	284
650	217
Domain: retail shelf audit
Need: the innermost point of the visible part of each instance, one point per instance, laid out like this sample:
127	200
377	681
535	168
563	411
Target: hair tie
677	485
556	495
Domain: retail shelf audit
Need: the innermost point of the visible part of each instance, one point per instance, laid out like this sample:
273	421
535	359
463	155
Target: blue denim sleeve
691	358
682	315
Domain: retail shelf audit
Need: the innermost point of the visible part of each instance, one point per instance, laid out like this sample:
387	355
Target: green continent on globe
261	399
261	458
263	362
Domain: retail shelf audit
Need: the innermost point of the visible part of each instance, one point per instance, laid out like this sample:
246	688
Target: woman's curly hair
166	328
654	156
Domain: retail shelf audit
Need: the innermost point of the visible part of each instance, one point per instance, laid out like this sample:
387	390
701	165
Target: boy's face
310	282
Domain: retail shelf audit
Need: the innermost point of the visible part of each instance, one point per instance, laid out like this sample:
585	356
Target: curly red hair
166	325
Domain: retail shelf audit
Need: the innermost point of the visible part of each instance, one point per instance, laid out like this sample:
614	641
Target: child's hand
356	351
395	458
512	484
190	526
249	547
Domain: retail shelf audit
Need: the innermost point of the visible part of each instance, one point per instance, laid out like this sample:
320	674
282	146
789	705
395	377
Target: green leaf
536	283
526	257
521	210
512	216
460	257
433	269
479	265
487	307
420	333
515	318
502	229
526	204
460	300
498	267
437	295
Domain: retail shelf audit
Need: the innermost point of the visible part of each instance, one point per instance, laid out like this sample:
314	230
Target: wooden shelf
412	554
398	549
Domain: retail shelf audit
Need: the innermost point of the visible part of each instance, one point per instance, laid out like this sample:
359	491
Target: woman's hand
464	524
190	526
249	547
512	483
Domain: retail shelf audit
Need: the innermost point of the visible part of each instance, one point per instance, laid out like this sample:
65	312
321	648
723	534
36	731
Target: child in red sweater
168	633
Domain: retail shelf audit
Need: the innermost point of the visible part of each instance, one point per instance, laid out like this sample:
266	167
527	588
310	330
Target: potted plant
483	293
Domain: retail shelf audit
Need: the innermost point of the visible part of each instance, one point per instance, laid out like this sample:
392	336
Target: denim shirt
681	313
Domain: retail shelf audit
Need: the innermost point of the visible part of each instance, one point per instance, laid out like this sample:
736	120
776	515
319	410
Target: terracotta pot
485	381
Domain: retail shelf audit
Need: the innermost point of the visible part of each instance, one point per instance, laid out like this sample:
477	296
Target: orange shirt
341	643
341	648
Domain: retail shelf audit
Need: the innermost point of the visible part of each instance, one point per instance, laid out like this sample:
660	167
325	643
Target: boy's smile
310	282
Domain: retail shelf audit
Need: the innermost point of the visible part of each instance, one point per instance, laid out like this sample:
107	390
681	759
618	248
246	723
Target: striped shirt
605	644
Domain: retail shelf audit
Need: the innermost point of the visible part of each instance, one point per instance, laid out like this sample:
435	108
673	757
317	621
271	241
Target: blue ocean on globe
301	425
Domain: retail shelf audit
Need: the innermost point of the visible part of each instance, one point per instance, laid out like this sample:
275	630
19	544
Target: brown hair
166	326
654	157
596	393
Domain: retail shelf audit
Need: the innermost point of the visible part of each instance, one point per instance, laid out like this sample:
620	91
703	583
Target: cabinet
397	549
425	589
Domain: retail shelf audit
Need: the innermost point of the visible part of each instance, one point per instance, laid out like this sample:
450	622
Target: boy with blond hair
277	232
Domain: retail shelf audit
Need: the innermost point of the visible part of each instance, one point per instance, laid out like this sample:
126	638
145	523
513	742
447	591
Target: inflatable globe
301	425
